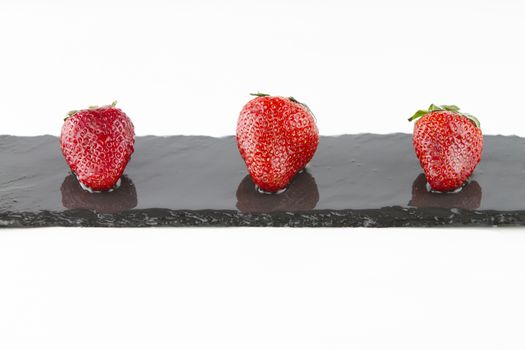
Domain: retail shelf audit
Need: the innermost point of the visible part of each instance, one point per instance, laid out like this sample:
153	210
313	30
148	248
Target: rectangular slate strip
353	180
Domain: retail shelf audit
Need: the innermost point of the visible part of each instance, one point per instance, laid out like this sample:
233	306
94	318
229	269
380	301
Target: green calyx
73	112
303	104
449	108
259	94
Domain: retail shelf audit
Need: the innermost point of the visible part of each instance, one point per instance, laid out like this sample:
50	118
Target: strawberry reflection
121	199
468	198
301	195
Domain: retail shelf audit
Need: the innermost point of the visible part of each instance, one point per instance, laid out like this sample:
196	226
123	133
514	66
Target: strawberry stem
259	94
450	108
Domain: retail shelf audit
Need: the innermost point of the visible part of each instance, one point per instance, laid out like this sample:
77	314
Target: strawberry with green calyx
276	137
97	144
448	144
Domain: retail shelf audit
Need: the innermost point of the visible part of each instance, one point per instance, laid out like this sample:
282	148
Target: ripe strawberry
277	137
97	144
448	144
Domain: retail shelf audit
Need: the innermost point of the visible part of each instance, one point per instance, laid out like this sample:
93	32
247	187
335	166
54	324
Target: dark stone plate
353	180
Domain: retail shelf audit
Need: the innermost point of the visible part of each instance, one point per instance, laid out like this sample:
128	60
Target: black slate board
353	180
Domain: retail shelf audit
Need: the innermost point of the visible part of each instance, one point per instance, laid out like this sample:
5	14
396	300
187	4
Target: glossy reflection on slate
469	197
353	180
301	195
121	199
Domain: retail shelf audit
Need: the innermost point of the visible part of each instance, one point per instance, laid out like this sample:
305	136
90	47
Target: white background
186	67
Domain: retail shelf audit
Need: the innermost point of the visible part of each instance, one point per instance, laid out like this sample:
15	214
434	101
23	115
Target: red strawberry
97	144
448	144
277	137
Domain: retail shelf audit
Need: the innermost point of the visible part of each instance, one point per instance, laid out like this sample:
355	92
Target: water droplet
87	188
258	189
457	190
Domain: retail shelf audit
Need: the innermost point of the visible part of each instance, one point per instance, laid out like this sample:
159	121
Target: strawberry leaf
291	98
450	108
418	114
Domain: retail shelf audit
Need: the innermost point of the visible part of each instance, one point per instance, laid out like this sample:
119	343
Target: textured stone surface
354	180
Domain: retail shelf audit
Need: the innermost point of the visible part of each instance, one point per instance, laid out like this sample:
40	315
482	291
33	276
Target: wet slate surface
354	180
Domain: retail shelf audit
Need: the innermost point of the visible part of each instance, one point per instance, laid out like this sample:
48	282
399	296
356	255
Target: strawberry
97	144
448	144
277	137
